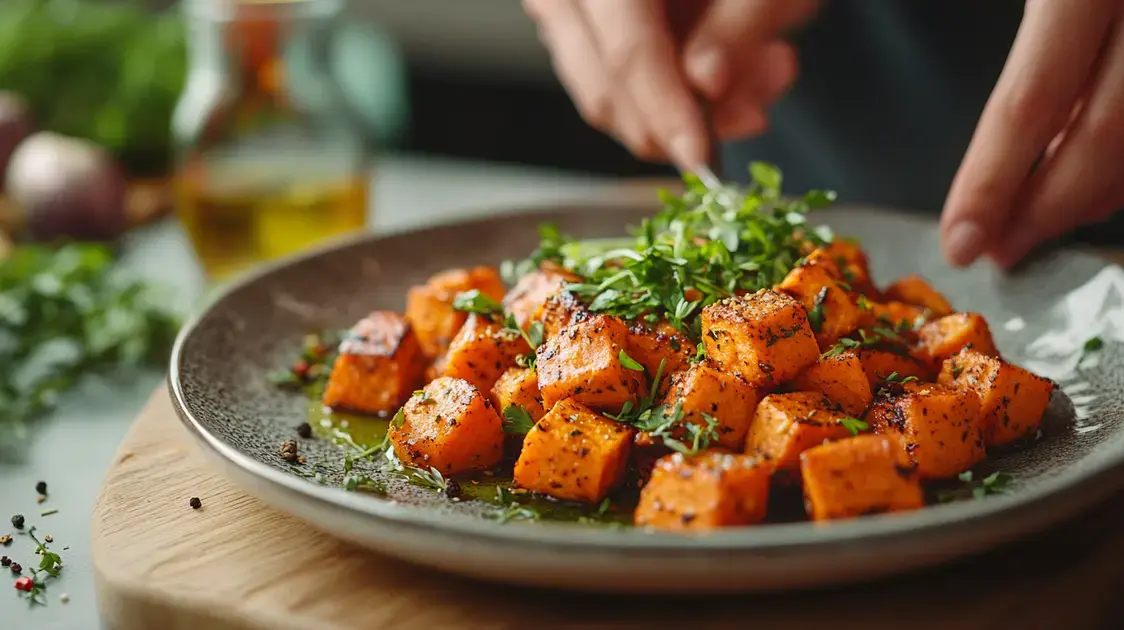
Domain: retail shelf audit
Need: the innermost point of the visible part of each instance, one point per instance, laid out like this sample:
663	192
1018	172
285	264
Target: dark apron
888	96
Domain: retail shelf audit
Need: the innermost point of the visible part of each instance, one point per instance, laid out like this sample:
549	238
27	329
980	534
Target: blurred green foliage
110	72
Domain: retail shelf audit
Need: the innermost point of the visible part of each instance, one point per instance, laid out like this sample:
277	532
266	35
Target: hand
634	67
1048	154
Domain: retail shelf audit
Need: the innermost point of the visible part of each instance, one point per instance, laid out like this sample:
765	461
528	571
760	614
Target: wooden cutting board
238	564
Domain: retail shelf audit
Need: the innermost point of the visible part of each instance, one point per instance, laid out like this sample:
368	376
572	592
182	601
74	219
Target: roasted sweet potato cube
852	263
532	291
944	337
913	289
583	362
786	425
560	309
867	474
831	310
881	364
520	387
703	391
449	426
1012	400
574	453
482	350
763	338
708	491
841	378
893	315
429	307
937	426
379	364
651	344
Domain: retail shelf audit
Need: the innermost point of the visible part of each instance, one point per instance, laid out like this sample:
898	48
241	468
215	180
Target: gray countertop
72	449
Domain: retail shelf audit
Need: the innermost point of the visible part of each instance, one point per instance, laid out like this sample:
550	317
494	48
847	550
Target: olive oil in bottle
236	220
272	159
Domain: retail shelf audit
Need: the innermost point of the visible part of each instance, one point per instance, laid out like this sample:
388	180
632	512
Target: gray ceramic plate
1040	318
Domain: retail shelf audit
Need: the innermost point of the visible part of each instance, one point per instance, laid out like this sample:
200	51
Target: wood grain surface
238	564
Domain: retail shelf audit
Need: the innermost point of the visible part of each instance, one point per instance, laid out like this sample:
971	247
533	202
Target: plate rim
1096	481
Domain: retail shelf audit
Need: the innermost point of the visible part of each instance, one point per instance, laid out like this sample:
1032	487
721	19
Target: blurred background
134	81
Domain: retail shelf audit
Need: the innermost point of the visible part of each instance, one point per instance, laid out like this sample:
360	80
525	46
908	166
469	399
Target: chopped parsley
875	336
816	315
703	246
533	336
1092	345
510	509
516	420
473	301
854	425
629	363
971	488
894	377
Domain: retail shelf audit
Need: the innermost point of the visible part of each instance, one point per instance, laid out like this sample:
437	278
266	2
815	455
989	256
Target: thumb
731	30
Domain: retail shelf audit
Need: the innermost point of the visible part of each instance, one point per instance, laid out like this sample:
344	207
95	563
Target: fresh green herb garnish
533	336
603	507
667	425
706	244
312	368
399	418
700	353
871	338
516	420
854	425
1092	344
364	483
510	509
995	483
629	363
50	562
699	437
473	301
816	315
431	479
65	312
894	377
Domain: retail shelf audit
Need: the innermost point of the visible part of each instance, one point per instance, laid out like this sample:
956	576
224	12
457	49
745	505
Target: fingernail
963	243
703	67
687	151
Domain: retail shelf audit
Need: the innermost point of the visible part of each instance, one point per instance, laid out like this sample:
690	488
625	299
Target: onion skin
16	124
69	189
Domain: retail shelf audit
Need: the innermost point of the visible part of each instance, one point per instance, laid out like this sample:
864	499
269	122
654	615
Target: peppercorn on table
235	563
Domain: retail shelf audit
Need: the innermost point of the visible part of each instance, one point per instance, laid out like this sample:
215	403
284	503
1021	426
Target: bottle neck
243	38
